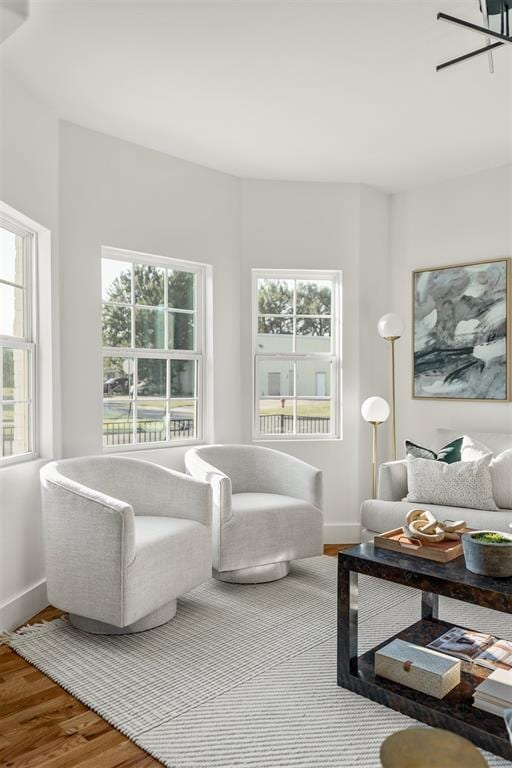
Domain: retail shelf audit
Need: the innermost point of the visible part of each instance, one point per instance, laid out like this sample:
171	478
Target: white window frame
334	356
200	270
27	342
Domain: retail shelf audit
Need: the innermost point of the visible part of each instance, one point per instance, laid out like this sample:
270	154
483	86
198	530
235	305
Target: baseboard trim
341	533
16	611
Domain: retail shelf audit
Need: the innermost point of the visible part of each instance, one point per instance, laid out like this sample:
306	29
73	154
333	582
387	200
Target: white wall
28	183
119	194
467	219
289	225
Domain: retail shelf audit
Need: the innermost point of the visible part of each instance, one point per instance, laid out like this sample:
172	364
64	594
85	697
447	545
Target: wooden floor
42	726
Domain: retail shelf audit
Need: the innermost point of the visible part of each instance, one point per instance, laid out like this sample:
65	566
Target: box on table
420	668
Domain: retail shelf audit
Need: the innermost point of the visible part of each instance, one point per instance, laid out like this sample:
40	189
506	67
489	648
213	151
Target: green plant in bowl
491	537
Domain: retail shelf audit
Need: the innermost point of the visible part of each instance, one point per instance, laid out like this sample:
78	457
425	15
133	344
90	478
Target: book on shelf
477	647
495	693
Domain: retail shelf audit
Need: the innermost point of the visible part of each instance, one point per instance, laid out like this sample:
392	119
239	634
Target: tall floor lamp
391	327
375	410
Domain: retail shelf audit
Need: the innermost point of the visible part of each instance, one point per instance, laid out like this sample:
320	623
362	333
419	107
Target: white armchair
267	510
123	540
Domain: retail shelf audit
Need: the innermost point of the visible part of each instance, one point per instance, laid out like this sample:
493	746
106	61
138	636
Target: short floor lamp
391	328
375	410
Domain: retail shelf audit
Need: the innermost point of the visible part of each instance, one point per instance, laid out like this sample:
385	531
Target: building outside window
17	342
152	317
296	354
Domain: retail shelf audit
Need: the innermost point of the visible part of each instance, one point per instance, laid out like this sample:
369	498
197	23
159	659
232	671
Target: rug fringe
7	637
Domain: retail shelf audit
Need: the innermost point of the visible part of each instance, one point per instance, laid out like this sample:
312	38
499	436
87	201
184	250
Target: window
152	349
296	331
17	343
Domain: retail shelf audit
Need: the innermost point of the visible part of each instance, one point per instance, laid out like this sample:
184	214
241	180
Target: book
476	647
495	693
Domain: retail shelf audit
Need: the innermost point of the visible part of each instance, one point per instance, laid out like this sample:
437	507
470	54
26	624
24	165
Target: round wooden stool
429	748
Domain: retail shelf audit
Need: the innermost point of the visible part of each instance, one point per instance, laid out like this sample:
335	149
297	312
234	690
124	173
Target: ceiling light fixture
497	26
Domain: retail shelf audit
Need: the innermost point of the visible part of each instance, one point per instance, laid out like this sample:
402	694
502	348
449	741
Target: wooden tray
441	551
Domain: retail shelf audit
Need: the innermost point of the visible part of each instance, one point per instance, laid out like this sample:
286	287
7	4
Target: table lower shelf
455	712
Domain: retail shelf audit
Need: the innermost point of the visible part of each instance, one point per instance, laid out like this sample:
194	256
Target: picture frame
459	310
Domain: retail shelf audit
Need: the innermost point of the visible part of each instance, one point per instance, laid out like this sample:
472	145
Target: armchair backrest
110	475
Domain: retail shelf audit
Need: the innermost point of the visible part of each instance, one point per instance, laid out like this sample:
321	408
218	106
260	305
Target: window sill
150	446
296	439
22	458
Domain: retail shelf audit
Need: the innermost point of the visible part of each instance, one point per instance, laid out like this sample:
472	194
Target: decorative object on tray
475	647
461	484
375	410
440	551
391	328
419	668
429	748
460	331
494	695
488	553
448	453
423	525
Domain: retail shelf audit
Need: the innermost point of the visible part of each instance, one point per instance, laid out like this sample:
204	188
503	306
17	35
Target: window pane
275	297
149	328
116	281
117	376
11	257
11	311
182	423
183	378
16	429
313	378
181	331
151	377
275	378
313	335
15	368
117	326
314	297
181	289
151	421
313	416
149	285
275	334
276	417
117	422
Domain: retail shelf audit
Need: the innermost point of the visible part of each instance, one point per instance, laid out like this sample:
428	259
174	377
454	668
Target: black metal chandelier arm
474	27
470	55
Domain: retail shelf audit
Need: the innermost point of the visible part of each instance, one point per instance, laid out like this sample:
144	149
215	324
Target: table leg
347	622
429	605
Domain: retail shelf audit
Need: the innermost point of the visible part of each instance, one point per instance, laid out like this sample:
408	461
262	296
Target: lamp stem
374	460
393	395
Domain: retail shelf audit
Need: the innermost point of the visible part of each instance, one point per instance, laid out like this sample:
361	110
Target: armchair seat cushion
172	556
267	528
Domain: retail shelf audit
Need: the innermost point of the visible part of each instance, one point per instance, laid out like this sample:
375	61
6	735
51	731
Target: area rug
243	676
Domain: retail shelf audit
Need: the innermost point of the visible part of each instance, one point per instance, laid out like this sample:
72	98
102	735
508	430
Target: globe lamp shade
390	326
375	410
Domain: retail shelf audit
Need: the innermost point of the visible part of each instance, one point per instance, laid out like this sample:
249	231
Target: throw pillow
449	453
460	484
500	468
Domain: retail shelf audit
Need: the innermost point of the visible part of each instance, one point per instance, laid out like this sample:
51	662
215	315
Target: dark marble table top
375	558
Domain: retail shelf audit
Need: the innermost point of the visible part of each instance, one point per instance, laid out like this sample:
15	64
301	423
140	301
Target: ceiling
318	91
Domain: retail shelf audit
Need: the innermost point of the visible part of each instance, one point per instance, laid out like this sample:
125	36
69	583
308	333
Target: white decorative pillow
500	468
461	484
501	475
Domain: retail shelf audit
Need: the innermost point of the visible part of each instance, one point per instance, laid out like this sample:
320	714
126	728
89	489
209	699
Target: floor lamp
375	410
391	327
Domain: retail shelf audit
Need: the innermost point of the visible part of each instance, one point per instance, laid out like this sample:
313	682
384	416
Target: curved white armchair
123	540
266	510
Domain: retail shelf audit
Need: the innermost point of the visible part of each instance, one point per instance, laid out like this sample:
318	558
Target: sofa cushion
463	483
495	441
500	467
448	453
267	528
380	516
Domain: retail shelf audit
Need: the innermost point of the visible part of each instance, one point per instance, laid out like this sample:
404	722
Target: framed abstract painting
461	331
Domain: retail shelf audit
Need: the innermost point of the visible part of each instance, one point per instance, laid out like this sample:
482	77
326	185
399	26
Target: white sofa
123	540
388	511
267	510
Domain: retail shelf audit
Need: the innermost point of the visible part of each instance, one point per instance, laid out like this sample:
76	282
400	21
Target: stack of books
494	695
